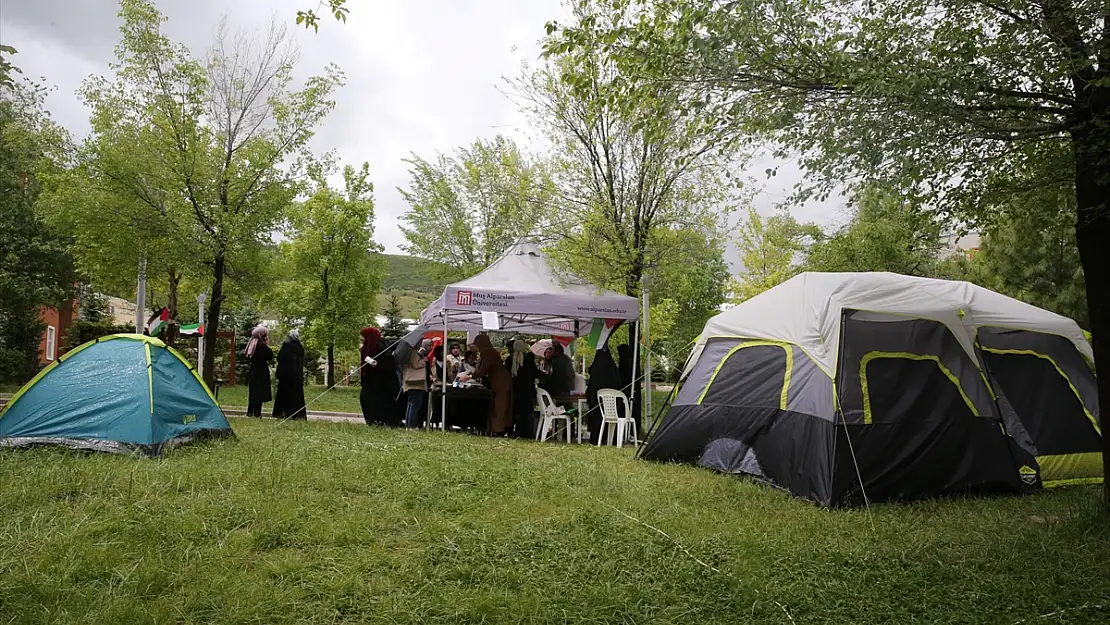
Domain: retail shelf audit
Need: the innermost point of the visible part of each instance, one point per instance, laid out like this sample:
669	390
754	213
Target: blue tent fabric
122	393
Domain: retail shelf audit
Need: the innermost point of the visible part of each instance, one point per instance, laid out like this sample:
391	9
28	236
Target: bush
81	332
20	335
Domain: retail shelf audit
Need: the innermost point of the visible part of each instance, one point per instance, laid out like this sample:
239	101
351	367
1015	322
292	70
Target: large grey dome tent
841	386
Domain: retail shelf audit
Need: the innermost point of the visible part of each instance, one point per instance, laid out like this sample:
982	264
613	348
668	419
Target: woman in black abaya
627	387
289	399
381	388
603	374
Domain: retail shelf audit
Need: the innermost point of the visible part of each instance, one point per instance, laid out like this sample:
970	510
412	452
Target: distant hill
409	273
415	281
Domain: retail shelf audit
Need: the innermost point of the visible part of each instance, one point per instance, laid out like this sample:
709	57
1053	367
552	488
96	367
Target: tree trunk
330	380
1092	233
212	321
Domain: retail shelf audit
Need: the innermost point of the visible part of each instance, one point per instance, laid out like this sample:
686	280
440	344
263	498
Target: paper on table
490	321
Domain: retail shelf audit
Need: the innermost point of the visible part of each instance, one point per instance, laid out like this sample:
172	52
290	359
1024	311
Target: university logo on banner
464	298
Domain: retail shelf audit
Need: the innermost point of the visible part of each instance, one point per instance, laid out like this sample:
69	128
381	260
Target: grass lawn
339	523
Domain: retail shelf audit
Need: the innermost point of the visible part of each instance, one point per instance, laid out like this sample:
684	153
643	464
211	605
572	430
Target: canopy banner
569	305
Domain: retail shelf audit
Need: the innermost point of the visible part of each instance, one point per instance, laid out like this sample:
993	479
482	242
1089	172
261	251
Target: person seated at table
454	362
470	362
499	381
522	365
545	363
559	382
603	374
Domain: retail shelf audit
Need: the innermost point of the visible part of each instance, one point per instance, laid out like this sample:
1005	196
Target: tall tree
394	318
467	209
335	269
35	268
1031	254
961	102
771	251
215	145
886	233
626	171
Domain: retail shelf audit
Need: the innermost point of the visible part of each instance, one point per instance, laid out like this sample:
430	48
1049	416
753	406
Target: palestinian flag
158	322
192	329
599	333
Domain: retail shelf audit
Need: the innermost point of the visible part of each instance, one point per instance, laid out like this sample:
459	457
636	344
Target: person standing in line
603	375
259	355
499	381
289	398
628	387
414	374
381	389
522	365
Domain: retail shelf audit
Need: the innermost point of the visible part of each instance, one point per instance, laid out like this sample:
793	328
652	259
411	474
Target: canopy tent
852	387
528	297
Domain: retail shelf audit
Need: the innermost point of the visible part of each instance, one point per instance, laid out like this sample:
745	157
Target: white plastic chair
550	414
618	427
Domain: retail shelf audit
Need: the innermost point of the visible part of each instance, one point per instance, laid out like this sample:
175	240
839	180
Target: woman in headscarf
499	381
259	354
381	389
289	399
415	383
522	366
603	374
627	387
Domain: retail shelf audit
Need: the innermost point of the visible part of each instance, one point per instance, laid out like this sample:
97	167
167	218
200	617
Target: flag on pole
158	322
192	329
599	333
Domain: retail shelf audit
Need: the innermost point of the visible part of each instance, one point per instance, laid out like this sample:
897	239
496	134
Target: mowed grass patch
336	523
338	399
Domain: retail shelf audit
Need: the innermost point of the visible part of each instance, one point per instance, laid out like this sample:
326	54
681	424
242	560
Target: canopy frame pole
635	371
443	397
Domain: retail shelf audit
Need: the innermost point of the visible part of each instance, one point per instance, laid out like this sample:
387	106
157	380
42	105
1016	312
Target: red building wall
59	320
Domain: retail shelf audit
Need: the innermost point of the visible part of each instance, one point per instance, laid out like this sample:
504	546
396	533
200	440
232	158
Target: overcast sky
422	75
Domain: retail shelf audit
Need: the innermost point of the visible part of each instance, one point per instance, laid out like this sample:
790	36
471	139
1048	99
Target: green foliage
35	267
1034	257
366	525
196	160
771	250
309	18
629	176
1030	253
466	210
886	233
395	325
82	331
333	271
93	306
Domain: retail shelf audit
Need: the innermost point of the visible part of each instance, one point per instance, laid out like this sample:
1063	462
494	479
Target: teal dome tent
120	393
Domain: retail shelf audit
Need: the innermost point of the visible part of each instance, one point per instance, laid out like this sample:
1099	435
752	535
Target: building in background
121	312
57	322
